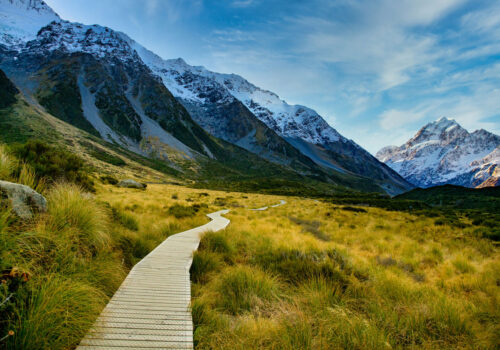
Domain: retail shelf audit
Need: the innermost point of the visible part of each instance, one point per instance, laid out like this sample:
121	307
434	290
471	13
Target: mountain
104	83
442	152
211	98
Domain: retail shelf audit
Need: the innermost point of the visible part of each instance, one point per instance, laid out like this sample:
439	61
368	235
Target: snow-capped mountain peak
76	37
20	20
444	152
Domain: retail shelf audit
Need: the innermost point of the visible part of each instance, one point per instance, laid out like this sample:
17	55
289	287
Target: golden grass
384	280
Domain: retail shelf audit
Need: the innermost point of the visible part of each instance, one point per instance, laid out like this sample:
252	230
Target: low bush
108	179
108	158
182	211
354	209
54	164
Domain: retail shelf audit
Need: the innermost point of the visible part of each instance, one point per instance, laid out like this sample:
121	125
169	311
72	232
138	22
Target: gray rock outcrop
23	199
129	183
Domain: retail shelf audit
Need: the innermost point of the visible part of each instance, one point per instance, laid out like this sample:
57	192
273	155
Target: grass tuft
74	214
240	289
7	163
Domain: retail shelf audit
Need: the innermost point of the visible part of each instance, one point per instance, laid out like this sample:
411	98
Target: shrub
108	179
53	163
183	211
354	209
106	157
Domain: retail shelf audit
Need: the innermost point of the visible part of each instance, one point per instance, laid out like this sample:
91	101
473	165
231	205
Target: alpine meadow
151	203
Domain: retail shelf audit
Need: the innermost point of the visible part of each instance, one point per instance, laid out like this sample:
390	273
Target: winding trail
151	309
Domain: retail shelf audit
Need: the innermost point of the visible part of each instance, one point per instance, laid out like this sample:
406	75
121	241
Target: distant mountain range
105	83
442	152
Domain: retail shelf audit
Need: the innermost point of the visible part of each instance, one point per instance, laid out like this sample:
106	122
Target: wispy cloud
243	3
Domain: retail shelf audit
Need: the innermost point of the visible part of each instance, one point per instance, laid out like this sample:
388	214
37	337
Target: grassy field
307	275
314	275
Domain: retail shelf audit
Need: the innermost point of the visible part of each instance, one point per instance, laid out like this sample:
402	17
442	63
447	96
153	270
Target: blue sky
376	70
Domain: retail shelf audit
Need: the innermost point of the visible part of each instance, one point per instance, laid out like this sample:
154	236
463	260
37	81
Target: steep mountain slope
442	152
210	98
234	167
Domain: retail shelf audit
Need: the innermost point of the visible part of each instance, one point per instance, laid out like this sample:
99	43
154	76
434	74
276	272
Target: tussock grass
384	280
56	315
240	288
74	214
125	219
7	163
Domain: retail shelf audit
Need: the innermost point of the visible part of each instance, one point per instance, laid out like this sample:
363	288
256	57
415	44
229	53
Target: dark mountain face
8	91
233	109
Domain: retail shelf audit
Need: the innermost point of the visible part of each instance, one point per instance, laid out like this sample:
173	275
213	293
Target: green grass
7	163
125	219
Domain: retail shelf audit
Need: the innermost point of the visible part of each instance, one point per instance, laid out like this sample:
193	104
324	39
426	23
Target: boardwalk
151	310
272	206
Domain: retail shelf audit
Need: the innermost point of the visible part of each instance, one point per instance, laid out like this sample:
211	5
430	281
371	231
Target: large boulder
129	183
23	199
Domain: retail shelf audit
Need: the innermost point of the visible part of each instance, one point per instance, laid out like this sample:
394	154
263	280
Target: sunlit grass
382	280
306	275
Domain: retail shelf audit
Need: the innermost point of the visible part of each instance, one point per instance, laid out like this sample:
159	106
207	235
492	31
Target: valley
114	160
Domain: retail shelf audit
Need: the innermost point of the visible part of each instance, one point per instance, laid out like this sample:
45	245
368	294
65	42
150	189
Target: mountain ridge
300	126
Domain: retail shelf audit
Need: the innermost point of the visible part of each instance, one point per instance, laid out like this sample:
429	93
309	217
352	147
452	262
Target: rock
23	199
129	183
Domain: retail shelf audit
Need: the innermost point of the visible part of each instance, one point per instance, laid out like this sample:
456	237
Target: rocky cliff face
442	152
